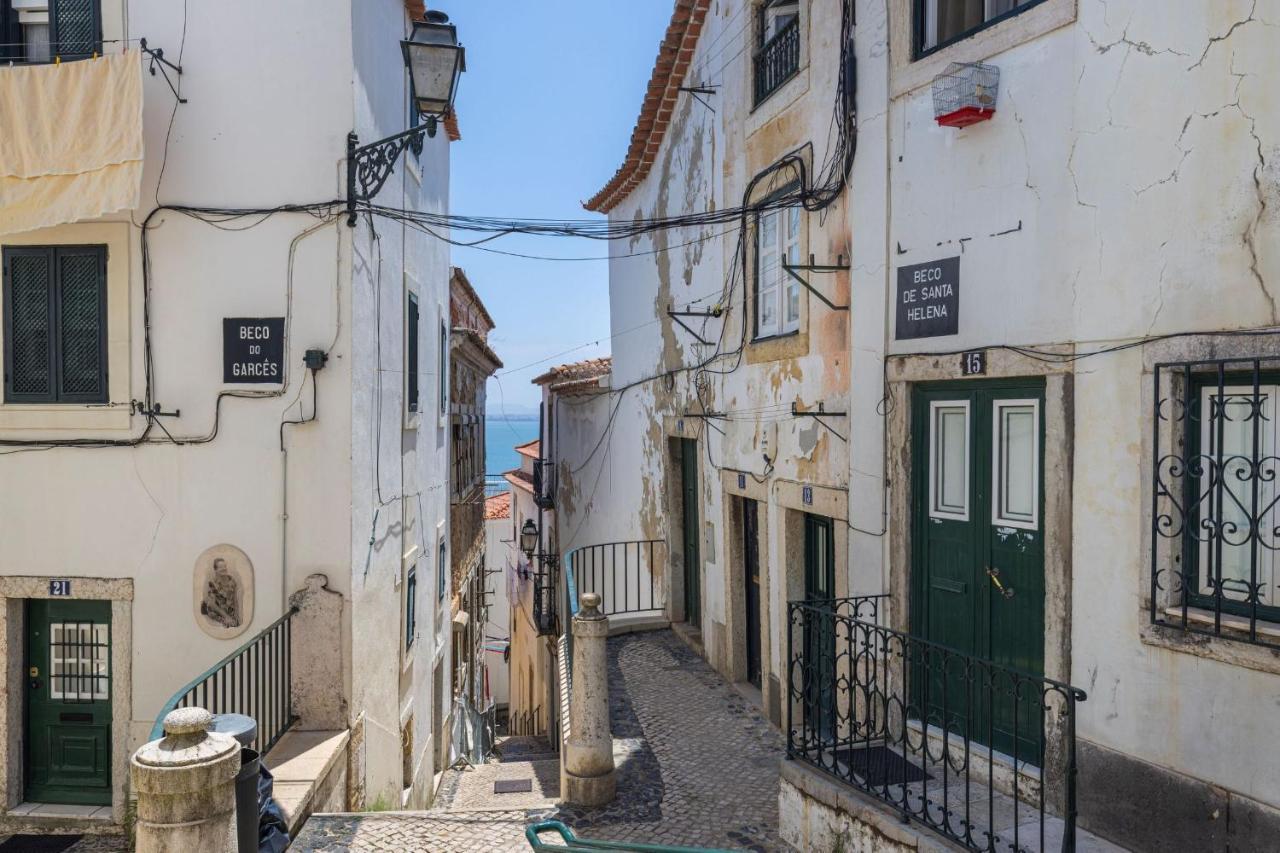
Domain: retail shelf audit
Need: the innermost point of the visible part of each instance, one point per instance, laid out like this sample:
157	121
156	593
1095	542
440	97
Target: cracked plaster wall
1126	187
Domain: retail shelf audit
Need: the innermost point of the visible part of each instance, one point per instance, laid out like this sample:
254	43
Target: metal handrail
927	728
236	684
572	842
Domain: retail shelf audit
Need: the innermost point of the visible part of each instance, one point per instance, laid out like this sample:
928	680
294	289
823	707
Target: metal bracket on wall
818	415
157	58
676	315
812	267
707	418
699	91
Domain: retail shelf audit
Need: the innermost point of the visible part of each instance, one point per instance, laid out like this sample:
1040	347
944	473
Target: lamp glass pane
434	70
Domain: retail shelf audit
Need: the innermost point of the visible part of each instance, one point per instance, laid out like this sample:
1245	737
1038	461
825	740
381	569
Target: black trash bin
244	730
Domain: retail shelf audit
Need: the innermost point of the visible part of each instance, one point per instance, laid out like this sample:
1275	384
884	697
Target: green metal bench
572	842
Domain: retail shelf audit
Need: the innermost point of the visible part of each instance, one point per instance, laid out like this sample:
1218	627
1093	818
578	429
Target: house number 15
973	363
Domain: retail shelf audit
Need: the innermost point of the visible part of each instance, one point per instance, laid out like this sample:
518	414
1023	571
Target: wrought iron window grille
943	737
1215	498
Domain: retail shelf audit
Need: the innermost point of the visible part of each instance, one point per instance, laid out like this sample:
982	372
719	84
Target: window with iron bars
777	55
45	30
1215	498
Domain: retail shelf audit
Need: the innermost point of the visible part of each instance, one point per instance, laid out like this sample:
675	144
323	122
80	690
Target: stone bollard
185	784
589	772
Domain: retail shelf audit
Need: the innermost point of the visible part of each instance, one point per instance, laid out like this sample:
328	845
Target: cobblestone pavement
697	767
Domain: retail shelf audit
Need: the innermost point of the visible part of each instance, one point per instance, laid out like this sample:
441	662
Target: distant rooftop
497	506
575	374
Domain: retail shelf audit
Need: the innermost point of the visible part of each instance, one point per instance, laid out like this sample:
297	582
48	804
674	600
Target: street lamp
435	61
528	537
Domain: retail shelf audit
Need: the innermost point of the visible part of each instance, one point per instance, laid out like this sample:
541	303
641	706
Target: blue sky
546	108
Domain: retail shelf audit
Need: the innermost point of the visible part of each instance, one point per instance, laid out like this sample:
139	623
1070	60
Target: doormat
879	765
508	786
38	843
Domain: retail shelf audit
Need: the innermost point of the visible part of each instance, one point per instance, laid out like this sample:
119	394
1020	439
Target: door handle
1006	591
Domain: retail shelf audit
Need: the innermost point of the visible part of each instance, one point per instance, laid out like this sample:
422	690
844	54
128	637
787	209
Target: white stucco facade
1121	201
356	491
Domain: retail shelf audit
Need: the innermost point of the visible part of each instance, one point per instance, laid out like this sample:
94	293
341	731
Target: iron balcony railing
544	483
623	574
980	753
546	615
777	60
1215	498
254	680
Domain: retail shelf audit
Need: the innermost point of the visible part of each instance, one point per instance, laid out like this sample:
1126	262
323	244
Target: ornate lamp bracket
369	166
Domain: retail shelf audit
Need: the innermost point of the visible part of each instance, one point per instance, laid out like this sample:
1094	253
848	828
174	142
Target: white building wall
400	500
244	139
708	161
271	101
1125	189
500	557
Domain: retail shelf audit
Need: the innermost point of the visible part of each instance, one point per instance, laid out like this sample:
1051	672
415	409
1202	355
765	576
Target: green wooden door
819	627
978	556
751	581
68	731
692	554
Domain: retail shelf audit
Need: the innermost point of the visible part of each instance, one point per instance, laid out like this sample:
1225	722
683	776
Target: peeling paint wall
616	476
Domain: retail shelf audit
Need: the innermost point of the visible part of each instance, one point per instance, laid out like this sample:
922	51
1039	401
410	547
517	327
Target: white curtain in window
71	146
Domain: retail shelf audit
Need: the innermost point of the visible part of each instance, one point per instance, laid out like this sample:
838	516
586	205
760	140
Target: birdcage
965	94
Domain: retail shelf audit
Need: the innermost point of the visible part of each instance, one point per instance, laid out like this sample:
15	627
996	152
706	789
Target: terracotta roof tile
532	449
674	56
497	506
591	368
520	479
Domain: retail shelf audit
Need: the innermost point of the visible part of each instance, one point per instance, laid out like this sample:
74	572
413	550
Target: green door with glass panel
68	687
978	556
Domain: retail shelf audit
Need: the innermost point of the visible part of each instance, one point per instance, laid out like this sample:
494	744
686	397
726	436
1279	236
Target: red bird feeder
965	94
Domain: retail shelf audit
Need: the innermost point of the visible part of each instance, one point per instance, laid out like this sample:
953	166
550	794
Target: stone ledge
885	827
48	819
302	762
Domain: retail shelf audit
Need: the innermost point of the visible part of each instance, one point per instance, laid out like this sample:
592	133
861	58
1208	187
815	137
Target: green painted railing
254	680
571	842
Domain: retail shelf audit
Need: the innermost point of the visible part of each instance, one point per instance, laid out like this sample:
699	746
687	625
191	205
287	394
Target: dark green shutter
410	607
28	333
82	340
55	320
75	28
411	369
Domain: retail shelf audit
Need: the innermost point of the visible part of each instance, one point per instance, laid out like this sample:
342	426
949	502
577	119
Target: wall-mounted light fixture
529	538
435	61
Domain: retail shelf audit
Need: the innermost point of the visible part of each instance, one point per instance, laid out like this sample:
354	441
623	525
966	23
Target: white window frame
782	285
998	518
1266	568
99	683
929	9
412	417
934	435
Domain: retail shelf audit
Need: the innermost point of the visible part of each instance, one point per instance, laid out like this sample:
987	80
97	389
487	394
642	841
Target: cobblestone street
697	766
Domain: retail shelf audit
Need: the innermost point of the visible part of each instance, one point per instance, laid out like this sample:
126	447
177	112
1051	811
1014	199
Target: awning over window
71	146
